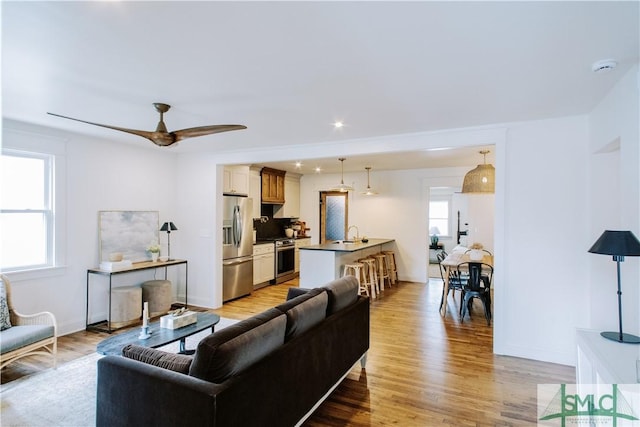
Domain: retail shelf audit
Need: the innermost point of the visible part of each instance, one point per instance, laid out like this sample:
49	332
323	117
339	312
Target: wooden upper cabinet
272	186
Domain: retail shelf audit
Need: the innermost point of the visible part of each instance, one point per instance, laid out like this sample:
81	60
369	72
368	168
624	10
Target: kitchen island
320	264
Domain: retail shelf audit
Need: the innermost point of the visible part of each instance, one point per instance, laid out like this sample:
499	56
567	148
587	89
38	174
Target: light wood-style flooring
422	369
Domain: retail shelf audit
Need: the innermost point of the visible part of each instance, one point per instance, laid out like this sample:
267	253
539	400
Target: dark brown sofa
269	370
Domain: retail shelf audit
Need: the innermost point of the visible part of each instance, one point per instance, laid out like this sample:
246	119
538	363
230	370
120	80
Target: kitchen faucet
357	232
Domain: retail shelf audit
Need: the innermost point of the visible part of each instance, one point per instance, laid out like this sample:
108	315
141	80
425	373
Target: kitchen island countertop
320	264
346	247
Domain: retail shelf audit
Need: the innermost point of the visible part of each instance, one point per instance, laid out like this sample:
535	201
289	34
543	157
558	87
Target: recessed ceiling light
298	165
318	170
604	66
338	124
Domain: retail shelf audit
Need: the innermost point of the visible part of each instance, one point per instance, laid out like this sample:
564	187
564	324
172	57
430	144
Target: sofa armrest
130	392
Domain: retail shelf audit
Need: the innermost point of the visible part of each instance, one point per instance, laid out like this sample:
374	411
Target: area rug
65	396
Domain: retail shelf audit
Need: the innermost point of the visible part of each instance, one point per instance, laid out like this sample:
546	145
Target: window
26	210
439	214
32	202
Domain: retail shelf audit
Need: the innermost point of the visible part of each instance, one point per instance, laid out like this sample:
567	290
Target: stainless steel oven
285	260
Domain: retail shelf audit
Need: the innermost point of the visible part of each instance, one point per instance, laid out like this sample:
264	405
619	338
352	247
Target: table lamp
168	227
434	231
619	244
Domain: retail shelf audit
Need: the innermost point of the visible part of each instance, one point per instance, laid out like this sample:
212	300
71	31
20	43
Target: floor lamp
619	244
168	227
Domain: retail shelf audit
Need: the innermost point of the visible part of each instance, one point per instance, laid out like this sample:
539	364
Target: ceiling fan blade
142	133
204	130
160	136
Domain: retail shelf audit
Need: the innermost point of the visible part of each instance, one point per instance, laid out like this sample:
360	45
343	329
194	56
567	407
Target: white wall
100	175
199	184
541	241
481	218
614	184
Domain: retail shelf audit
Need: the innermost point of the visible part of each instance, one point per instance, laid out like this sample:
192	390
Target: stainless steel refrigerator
237	247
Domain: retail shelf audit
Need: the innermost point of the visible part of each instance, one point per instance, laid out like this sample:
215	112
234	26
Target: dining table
450	263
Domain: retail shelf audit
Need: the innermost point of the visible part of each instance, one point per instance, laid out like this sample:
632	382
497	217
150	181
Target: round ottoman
158	294
126	306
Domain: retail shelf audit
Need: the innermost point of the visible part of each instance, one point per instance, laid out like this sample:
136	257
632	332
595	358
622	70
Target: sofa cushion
23	335
304	311
5	319
228	352
151	356
342	293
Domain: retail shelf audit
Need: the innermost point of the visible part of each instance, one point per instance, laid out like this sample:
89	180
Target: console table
139	266
434	250
602	361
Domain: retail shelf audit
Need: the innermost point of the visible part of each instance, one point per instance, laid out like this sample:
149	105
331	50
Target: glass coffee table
159	336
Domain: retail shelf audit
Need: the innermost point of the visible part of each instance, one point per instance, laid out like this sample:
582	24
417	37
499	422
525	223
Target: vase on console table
154	256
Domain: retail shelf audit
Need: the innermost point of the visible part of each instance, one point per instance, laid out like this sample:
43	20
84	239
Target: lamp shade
482	179
614	242
342	187
369	191
434	230
168	227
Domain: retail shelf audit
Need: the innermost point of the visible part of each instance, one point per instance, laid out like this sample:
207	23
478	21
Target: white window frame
26	143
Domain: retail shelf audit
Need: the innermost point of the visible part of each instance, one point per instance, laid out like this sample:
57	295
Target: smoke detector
603	66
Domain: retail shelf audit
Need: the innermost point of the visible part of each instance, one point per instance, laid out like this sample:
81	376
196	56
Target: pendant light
482	179
369	191
342	187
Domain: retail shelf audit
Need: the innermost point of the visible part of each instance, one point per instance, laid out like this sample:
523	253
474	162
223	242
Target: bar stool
376	279
369	275
356	269
393	270
383	269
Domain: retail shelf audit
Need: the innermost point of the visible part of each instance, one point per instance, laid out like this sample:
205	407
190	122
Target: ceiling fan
161	136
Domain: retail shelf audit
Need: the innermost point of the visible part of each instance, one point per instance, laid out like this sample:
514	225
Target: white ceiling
288	70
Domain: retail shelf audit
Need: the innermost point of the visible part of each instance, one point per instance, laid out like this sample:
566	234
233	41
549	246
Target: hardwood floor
422	370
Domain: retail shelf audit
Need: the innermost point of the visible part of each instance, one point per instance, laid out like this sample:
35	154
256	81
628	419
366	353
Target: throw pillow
295	292
5	319
174	362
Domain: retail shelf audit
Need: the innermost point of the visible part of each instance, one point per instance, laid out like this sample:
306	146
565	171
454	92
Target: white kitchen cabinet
236	180
264	263
304	241
254	190
291	207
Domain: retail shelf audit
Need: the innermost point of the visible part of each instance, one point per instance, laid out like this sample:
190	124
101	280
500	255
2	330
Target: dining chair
483	250
455	281
478	286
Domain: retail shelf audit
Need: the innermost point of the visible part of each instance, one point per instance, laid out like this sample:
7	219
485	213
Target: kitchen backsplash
272	227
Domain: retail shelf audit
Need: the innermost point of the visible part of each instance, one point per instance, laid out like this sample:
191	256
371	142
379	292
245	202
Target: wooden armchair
29	334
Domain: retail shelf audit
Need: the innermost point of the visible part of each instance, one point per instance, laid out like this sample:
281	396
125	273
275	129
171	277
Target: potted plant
154	250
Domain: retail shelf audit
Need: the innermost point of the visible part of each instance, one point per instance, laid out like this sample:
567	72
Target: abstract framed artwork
127	232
